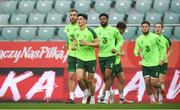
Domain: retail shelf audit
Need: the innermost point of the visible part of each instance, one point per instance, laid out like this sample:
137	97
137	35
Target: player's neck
74	23
82	27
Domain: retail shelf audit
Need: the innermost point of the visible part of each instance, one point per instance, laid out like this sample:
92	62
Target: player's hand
73	48
113	50
83	42
161	62
122	54
64	47
96	44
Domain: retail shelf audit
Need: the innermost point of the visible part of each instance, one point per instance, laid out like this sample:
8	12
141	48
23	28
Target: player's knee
121	81
71	76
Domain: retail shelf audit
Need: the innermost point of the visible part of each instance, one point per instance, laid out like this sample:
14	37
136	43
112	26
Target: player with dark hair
107	35
86	40
149	47
117	68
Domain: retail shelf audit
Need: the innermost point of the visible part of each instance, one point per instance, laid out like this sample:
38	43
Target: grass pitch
51	106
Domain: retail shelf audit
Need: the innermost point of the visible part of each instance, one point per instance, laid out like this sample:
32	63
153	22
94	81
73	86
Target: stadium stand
26	7
27	33
36	18
175	6
102	6
55	12
143	6
19	19
130	33
62	6
161	6
44	7
9	33
123	6
82	6
153	17
167	31
46	33
9	7
54	18
177	33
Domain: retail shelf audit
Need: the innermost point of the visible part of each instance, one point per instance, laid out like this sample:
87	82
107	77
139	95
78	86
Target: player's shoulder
97	28
67	25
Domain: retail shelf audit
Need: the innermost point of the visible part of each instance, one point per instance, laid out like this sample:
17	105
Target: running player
69	29
107	35
158	27
117	68
86	60
148	47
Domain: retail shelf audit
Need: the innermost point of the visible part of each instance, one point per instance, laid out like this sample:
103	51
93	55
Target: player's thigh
91	66
102	65
162	78
110	62
80	69
71	66
117	71
145	71
154	72
163	68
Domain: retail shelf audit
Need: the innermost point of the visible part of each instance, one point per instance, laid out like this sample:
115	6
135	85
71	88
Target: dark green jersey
69	30
151	48
85	53
107	37
166	44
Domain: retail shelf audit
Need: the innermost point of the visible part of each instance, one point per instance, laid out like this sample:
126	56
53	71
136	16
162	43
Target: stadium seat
4	19
135	18
46	33
153	17
54	18
82	6
167	31
130	33
177	33
18	19
143	6
9	33
62	6
161	6
61	35
93	18
102	6
123	6
27	33
175	6
26	7
114	18
44	6
36	19
9	7
171	18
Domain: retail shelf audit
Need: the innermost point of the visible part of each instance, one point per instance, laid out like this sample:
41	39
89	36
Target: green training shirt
69	30
117	59
151	48
167	44
85	53
107	37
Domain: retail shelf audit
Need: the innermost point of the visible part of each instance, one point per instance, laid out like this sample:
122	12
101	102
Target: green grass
86	106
